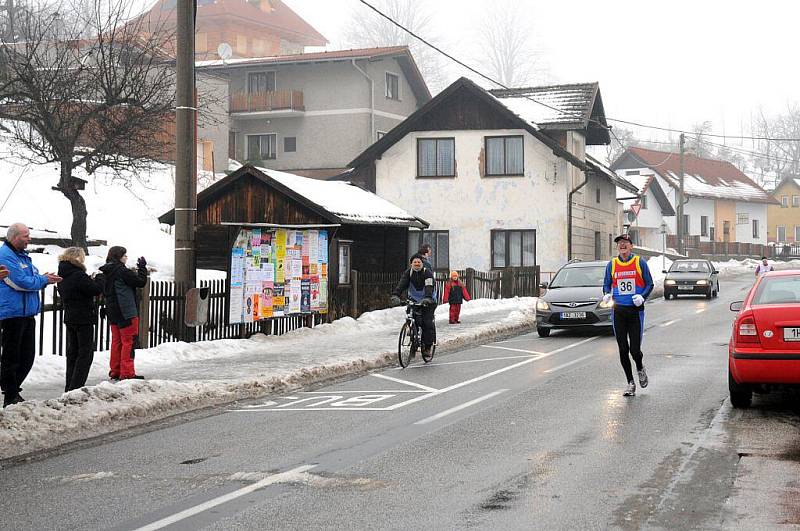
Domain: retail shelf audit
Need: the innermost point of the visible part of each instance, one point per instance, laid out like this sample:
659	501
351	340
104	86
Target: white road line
468	361
365	392
460	407
312	409
405	382
701	310
197	509
664	325
559	367
513	349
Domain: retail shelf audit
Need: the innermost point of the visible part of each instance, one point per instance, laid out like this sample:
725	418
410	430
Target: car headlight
606	305
702	282
541	304
669	282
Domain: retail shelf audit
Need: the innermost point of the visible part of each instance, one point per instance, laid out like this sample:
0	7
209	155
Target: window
513	248
344	262
784	201
597	195
392	86
439	241
260	82
504	155
598	246
703	225
686	224
289	144
742	218
711	234
380	134
643	202
436	157
755	228
232	145
797	233
795	201
781	234
262	147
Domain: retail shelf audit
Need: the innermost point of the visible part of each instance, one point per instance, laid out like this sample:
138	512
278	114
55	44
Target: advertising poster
314	281
237	305
313	246
256	307
295	291
248	307
278	300
323	295
306	236
280	276
256	238
322	257
305	296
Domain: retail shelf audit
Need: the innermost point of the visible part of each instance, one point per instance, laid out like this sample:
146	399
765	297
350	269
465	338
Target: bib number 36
626	287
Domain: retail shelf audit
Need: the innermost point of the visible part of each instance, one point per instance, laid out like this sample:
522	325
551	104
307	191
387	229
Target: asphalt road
528	433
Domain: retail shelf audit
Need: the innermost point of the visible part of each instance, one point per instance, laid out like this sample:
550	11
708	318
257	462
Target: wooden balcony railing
277	100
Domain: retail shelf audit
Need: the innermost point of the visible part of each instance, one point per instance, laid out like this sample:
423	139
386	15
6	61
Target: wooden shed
367	233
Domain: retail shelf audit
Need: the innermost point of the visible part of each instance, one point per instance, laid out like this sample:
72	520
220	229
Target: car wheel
741	394
710	292
716	291
666	296
543	332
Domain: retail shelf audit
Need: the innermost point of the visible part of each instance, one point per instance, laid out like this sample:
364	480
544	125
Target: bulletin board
278	272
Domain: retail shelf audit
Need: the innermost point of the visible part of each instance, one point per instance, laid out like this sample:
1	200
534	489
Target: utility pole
681	228
185	159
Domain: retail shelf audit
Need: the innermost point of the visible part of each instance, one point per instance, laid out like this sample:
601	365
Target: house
364	232
783	219
645	213
722	204
494	186
311	113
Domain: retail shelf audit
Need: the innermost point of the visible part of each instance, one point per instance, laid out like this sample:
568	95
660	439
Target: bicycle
410	339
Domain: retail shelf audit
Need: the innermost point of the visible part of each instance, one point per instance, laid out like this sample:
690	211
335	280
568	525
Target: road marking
466	361
460	407
405	382
197	509
554	369
664	325
364	392
513	349
701	310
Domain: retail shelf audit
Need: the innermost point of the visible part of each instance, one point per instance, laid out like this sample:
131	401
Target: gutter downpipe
569	213
371	101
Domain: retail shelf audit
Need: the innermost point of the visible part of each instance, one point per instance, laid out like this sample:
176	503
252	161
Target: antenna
224	51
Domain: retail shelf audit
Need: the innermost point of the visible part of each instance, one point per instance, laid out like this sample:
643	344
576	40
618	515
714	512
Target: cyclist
419	282
629	283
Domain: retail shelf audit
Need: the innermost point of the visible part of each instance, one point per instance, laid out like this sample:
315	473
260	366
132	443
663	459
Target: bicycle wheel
405	345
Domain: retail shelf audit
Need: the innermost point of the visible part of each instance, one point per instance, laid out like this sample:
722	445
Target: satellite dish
224	51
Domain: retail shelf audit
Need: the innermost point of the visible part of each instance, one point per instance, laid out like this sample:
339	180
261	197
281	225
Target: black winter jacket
419	284
78	291
122	302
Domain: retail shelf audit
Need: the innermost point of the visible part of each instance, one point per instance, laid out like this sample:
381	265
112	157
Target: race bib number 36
626	287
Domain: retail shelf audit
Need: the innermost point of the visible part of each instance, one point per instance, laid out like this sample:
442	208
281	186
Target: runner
629	283
763	267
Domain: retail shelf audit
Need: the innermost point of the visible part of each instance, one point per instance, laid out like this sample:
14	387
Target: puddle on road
315	480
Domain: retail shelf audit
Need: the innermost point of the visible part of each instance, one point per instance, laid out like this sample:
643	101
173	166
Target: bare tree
696	140
368	29
779	157
83	86
508	50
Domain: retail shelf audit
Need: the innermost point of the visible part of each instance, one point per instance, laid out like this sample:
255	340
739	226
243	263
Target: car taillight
746	331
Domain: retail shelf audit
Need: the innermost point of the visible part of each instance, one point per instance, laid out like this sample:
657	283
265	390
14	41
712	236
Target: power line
715	135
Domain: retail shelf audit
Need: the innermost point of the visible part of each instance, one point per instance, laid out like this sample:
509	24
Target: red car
764	349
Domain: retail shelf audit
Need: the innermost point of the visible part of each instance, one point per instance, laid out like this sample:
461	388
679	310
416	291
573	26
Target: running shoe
426	354
630	390
643	381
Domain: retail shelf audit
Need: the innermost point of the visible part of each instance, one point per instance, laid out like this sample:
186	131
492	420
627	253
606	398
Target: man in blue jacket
19	303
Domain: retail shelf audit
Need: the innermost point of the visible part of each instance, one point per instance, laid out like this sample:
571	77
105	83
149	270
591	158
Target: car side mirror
544	285
664	271
714	272
737	306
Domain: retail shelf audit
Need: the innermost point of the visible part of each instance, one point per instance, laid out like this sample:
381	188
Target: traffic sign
635	208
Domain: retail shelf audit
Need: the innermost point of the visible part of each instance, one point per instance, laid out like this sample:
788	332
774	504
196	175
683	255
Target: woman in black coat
77	292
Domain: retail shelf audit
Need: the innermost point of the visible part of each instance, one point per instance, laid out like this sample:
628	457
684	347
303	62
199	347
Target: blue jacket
19	291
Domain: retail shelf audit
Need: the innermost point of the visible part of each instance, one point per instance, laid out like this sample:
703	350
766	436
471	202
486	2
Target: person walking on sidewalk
455	293
419	283
763	267
78	292
19	303
122	308
628	282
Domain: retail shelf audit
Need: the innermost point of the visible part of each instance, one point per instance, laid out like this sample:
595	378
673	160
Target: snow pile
197	375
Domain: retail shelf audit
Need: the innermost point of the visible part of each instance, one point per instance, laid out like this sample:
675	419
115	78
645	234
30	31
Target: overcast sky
672	63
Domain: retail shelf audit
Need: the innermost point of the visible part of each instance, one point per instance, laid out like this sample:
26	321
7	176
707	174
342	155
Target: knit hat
453	274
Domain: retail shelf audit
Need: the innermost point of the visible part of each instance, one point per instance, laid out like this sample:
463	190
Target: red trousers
455	313
123	343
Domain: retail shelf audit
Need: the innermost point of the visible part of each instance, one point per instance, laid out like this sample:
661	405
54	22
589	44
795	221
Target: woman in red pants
122	309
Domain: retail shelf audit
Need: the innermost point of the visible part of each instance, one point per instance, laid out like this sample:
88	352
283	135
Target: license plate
573	315
688	288
791	334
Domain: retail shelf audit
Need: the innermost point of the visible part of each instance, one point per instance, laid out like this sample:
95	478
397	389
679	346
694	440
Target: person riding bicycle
420	285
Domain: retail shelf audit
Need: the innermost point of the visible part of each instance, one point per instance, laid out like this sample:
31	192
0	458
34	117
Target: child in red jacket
455	293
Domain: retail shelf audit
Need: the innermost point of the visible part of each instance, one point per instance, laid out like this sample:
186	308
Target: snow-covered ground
183	377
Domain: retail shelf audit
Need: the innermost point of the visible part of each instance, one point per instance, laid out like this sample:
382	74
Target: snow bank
204	374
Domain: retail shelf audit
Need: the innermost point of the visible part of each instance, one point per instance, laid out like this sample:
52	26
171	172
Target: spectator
455	293
426	251
122	308
19	303
78	291
763	267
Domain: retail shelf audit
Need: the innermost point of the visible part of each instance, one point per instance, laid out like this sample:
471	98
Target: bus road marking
460	407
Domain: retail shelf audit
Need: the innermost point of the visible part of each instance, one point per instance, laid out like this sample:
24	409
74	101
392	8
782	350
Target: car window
690	267
573	277
778	290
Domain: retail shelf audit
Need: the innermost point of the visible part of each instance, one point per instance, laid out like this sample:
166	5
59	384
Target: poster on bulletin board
278	272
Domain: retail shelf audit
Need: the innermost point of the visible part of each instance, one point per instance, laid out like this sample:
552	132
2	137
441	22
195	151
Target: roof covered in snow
337	201
707	178
577	106
601	169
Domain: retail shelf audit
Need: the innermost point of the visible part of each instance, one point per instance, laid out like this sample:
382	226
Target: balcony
274	103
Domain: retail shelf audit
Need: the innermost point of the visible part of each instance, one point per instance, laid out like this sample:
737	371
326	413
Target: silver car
574	299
